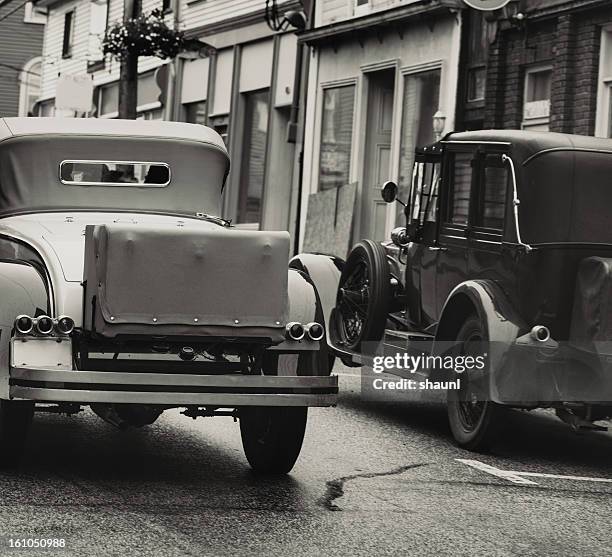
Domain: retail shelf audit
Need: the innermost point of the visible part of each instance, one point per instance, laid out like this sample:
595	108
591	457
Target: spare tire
364	293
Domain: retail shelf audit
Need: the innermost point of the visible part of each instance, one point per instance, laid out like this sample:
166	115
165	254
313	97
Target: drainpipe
301	72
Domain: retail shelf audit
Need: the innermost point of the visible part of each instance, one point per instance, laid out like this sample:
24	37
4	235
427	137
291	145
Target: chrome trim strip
176	379
459	142
515	202
114	184
230	400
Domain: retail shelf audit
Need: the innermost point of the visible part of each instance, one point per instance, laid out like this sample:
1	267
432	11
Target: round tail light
315	331
44	324
65	324
24	324
295	331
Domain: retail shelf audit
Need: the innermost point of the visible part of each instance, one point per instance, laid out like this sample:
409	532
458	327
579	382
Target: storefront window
149	106
195	113
336	136
252	171
420	103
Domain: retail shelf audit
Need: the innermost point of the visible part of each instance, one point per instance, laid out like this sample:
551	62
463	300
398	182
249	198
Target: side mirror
389	192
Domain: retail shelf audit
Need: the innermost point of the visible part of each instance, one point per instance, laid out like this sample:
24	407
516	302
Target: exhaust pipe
540	333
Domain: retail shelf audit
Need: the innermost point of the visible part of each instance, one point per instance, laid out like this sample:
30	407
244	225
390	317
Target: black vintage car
507	250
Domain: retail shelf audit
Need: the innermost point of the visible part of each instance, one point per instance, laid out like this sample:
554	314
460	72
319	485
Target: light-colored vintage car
120	289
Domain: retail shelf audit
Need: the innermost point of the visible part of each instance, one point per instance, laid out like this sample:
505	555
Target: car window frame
477	196
448	185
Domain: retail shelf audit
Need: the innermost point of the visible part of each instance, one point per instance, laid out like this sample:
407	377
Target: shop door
377	153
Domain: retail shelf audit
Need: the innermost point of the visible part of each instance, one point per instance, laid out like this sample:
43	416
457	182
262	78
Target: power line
12	11
10	67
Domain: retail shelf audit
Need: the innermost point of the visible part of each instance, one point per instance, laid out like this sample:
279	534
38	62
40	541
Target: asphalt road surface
373	479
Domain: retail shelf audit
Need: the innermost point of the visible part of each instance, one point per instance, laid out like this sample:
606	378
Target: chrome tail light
295	331
44	325
65	324
24	324
315	331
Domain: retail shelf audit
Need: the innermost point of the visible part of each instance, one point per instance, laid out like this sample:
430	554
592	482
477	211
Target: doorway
379	125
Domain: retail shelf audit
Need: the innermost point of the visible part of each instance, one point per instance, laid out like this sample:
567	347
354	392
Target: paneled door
381	85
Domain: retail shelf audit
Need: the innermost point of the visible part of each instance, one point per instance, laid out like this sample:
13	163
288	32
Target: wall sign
486	5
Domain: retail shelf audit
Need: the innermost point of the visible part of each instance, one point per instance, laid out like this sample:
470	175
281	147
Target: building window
536	103
336	136
68	34
361	7
46	108
253	163
420	103
476	83
34	14
98	20
29	86
195	113
478	47
153	114
166	6
149	106
221	125
603	122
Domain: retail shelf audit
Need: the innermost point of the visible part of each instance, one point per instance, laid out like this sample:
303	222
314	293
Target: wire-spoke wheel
363	296
473	417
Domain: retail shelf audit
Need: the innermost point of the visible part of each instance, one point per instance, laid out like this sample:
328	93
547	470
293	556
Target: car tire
474	423
272	437
366	274
15	420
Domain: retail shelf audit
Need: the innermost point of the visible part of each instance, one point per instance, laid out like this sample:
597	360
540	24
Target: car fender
502	323
304	305
23	292
324	273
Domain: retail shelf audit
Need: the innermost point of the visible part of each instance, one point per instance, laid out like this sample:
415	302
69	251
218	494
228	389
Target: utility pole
128	72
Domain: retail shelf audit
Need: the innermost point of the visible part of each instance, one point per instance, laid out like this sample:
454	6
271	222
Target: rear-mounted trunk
182	282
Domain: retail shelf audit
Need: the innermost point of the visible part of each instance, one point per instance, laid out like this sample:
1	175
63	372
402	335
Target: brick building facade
546	69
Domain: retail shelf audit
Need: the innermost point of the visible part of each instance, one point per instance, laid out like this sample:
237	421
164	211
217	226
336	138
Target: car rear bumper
560	372
85	387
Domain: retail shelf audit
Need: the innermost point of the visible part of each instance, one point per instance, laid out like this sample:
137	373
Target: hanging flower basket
145	35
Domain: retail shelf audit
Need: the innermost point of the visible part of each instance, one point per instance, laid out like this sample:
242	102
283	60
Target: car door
452	251
491	203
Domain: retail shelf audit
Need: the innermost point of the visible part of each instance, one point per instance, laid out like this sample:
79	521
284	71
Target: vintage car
506	252
123	290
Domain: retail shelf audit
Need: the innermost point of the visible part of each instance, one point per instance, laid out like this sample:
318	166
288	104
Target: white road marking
561	477
503	474
517	477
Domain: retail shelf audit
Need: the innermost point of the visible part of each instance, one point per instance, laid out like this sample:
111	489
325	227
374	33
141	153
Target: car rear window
114	173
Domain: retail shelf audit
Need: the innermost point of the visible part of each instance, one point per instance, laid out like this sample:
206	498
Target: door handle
436	248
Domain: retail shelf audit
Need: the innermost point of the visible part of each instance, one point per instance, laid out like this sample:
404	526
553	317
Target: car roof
20	127
530	143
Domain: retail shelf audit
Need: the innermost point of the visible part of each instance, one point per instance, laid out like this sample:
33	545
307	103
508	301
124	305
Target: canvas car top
50	164
15	127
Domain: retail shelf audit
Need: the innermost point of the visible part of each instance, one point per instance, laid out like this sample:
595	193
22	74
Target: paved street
380	479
